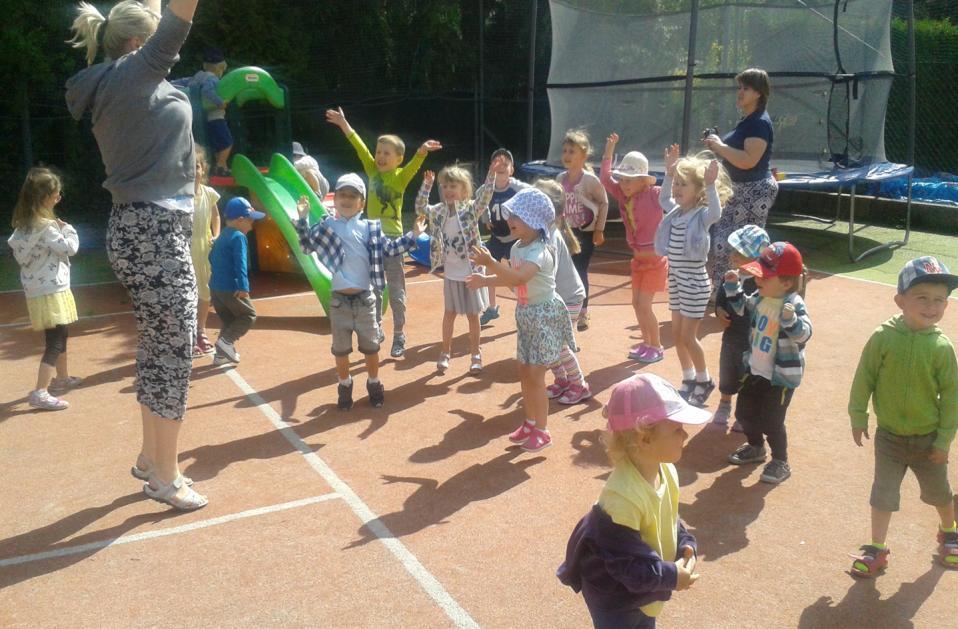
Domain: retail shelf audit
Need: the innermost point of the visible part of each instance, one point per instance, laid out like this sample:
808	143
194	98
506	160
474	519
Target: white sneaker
443	363
227	349
46	402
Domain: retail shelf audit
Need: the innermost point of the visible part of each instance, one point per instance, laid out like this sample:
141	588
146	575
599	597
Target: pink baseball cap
647	399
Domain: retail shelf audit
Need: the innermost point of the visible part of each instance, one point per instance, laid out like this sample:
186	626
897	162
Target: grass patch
89	266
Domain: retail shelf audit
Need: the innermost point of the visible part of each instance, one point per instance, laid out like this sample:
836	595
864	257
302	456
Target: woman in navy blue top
745	152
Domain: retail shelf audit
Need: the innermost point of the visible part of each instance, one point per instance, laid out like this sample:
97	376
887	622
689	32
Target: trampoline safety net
621	65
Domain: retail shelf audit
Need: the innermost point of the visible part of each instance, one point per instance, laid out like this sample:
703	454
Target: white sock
348	381
688	374
373	380
702	376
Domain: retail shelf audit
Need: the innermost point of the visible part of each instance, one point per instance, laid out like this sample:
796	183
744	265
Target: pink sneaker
637	352
651	355
555	390
538	440
522	433
575	393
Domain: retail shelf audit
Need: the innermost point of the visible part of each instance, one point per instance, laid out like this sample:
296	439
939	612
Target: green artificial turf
87	267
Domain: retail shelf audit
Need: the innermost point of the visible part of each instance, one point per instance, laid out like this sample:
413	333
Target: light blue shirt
354	273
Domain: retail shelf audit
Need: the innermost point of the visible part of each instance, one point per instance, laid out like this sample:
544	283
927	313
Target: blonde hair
30	211
394	141
619	444
457	174
691	169
203	158
127	19
580	139
552	189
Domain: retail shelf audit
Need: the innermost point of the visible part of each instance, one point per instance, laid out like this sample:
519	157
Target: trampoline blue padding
838	178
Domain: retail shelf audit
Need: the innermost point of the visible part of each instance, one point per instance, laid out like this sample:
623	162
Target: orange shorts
650	274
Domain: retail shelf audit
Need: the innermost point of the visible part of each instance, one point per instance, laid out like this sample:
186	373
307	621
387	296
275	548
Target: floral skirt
543	330
49	311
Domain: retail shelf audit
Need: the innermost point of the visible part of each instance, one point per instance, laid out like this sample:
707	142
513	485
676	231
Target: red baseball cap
779	258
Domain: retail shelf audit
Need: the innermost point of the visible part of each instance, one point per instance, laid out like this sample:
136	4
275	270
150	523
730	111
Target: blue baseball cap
749	241
923	270
239	207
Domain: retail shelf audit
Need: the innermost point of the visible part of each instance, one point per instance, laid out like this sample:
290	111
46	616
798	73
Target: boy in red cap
775	361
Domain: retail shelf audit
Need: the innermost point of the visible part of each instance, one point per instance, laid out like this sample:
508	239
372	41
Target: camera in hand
709	131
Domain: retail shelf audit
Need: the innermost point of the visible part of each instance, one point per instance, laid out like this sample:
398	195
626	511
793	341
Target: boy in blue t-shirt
500	239
229	282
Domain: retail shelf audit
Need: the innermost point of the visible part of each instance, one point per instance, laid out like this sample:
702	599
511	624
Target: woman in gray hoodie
142	126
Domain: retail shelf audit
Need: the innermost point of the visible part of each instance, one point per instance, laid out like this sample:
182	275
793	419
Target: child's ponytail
552	189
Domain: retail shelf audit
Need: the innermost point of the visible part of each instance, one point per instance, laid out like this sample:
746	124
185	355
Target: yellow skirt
48	311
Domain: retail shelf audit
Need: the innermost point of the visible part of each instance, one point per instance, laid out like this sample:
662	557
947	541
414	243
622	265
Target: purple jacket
614	568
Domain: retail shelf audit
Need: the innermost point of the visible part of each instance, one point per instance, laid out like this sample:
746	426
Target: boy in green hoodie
388	179
908	368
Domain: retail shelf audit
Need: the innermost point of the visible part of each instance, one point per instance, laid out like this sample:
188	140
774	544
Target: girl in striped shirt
693	193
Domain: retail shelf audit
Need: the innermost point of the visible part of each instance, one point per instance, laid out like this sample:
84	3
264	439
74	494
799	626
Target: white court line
413	566
176	530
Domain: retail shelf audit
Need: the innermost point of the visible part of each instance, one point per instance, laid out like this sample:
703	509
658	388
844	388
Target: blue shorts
218	135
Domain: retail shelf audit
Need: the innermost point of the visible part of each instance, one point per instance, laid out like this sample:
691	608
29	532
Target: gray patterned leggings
149	250
749	205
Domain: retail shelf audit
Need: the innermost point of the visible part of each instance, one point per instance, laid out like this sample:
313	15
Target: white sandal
443	363
167	494
476	365
141	473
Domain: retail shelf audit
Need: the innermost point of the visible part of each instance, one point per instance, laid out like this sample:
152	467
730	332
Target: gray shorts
354	313
894	455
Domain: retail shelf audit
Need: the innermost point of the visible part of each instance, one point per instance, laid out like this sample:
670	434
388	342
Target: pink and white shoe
556	390
637	352
538	440
522	433
575	393
651	355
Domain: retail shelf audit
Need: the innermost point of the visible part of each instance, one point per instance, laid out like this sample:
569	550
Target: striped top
676	250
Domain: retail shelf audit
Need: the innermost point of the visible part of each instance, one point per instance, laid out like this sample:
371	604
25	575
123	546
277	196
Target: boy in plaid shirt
353	249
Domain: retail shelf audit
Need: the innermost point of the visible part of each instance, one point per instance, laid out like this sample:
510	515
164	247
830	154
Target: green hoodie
912	377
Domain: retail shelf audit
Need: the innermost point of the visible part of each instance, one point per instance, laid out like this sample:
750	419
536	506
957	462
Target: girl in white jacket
42	245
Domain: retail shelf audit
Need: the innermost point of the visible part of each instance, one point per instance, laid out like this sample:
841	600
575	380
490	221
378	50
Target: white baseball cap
352	180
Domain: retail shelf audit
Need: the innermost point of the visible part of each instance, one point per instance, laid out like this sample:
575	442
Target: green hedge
936	134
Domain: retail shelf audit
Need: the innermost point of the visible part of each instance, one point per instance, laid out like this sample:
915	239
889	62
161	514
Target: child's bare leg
642	304
880	522
202	314
534	399
690	332
678	327
492	295
947	514
45	375
223	156
372	366
342	367
473	319
448	322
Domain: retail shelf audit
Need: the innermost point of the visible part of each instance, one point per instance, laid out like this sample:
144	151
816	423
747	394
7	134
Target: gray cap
351	180
298	149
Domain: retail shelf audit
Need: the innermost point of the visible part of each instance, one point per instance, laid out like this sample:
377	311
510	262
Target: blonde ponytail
127	20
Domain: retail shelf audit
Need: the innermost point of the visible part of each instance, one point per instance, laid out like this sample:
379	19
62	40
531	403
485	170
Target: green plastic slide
278	190
250	83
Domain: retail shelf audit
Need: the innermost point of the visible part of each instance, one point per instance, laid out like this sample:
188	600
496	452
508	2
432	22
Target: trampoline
830	63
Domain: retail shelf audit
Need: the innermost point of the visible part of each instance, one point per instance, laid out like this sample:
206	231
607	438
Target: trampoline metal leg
888	245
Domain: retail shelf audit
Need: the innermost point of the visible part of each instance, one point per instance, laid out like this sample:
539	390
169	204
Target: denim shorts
354	313
894	455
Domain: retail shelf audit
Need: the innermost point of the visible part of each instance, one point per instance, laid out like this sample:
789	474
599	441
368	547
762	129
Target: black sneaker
377	393
747	454
345	396
399	346
775	472
701	392
686	389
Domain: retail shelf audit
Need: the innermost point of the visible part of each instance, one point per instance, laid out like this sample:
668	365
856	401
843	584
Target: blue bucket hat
749	241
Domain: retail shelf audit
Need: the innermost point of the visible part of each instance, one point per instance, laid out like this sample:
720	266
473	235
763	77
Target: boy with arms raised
387	182
908	369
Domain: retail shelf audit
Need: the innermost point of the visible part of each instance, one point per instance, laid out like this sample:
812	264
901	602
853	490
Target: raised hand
419	225
428	177
302	207
711	172
671	157
429	146
497	164
610	143
336	117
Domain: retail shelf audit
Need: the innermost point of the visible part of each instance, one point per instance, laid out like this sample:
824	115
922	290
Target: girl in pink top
631	185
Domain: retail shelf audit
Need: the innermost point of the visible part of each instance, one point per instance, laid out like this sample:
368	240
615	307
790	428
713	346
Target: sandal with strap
140	474
476	365
948	549
871	562
167	494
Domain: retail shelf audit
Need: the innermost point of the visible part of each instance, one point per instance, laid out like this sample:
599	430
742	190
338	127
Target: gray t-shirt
568	285
142	124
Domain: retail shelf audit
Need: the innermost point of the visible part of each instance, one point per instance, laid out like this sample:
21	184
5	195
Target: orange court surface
421	513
